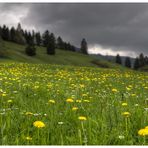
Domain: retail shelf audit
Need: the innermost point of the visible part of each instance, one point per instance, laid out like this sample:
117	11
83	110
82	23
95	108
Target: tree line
139	62
32	39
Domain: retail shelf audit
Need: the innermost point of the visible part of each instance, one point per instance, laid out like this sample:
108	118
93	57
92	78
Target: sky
109	28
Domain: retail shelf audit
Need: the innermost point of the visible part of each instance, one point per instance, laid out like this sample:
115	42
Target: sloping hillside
16	53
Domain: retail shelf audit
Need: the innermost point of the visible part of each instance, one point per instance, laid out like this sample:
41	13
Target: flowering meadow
42	104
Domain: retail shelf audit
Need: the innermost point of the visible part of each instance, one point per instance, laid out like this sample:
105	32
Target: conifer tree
38	38
12	34
46	38
136	63
141	60
30	49
128	62
84	46
5	33
118	59
60	43
51	44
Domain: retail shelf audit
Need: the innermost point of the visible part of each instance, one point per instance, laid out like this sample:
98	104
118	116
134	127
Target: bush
30	50
101	64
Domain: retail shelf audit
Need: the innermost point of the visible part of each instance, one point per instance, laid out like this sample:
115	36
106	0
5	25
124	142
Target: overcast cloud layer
108	28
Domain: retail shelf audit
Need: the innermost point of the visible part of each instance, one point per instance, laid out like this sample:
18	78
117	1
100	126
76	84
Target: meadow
43	104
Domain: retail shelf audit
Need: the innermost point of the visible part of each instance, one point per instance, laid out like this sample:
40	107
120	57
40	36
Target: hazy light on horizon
98	49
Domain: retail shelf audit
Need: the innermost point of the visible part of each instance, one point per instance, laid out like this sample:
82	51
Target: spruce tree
38	38
12	34
136	63
19	38
128	62
46	38
5	33
118	59
3	52
30	49
84	46
146	60
51	44
60	43
141	60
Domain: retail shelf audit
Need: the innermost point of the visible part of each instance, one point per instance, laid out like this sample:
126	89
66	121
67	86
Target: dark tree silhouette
46	37
128	62
118	59
51	44
84	46
136	63
38	38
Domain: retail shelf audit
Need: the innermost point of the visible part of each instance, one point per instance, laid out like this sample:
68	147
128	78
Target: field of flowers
43	104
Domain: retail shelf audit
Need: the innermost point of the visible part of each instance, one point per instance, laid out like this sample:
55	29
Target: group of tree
32	39
138	63
127	62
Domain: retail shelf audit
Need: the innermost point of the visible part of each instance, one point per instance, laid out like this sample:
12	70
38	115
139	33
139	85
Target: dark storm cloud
114	26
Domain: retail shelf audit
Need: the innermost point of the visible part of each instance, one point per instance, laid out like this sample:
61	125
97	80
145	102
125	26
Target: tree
5	33
60	43
118	59
51	44
46	38
19	38
30	50
136	63
29	38
146	60
0	31
12	34
3	52
38	38
84	46
128	62
141	60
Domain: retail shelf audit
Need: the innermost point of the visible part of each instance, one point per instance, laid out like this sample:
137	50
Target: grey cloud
113	25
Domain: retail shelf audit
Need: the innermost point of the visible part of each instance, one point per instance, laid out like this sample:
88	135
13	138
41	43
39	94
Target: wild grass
39	92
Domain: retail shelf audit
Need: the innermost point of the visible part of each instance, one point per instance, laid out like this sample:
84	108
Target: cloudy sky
108	28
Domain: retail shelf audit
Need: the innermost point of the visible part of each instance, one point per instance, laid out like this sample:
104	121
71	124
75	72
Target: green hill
16	53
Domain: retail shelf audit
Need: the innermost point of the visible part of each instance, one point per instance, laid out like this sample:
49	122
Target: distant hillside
15	53
112	58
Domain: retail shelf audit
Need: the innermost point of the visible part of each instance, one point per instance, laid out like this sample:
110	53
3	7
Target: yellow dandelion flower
39	124
82	118
9	101
124	104
143	132
28	113
28	138
114	90
126	114
51	101
70	100
74	108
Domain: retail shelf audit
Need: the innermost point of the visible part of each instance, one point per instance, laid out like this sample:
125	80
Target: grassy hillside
15	52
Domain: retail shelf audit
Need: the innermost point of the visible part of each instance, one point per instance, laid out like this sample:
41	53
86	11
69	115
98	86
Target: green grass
37	88
98	94
16	53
